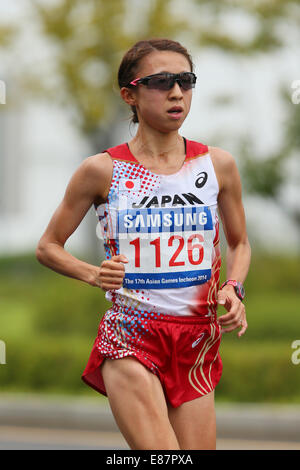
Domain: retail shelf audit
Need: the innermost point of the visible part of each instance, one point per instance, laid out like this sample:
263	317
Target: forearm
55	257
238	261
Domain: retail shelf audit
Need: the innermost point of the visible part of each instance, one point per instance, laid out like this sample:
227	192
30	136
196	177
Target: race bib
166	247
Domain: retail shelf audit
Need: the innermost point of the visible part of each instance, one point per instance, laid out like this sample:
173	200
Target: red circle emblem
129	184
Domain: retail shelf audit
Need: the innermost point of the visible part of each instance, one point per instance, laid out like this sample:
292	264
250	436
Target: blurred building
39	151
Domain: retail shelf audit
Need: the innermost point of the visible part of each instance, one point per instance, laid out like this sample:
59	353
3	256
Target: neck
156	146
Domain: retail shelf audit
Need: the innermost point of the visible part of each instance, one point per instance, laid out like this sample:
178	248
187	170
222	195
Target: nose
176	90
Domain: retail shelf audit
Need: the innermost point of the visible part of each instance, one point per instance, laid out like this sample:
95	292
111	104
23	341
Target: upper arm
230	203
90	182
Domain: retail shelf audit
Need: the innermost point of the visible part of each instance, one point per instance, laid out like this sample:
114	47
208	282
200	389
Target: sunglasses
166	81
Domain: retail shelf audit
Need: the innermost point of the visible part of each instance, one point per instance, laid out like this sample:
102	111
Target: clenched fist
112	272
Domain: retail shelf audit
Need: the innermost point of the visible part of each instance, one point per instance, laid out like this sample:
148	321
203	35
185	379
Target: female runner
156	355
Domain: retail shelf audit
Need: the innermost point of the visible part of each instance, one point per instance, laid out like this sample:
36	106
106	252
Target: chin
170	126
164	126
175	125
167	129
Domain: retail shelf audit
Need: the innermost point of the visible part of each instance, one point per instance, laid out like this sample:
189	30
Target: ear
128	96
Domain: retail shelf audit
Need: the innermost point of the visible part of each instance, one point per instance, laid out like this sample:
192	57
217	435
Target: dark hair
141	49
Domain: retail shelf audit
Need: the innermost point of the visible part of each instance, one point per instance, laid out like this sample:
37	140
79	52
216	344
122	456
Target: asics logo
201	180
197	340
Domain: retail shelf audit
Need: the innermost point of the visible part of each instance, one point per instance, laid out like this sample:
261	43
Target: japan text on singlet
167	227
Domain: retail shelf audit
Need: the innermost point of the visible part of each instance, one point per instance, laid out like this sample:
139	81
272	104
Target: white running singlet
167	227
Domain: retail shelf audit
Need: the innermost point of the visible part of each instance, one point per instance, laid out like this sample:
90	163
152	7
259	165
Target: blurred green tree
268	176
7	34
90	38
266	15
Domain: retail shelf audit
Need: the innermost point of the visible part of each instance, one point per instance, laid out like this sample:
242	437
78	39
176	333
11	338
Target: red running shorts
183	351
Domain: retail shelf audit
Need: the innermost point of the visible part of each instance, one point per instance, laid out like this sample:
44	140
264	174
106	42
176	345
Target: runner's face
164	110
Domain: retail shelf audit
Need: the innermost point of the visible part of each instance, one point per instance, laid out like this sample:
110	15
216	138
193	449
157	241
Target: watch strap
238	287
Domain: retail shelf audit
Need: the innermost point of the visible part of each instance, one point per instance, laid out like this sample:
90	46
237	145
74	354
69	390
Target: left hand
236	316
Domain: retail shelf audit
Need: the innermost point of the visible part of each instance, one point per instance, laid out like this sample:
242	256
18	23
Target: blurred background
59	104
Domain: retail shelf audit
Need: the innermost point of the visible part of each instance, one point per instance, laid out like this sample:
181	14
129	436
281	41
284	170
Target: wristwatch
238	287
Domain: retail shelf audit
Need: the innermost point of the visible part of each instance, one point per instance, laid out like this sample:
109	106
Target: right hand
112	273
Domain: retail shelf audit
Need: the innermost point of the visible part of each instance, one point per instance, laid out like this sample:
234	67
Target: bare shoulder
93	177
224	165
99	164
221	158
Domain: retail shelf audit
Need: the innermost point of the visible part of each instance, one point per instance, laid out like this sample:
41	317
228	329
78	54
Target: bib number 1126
194	247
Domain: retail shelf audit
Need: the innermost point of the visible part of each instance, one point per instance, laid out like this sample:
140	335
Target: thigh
138	404
194	423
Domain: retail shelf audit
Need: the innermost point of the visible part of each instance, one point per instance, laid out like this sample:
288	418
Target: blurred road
21	438
64	423
29	438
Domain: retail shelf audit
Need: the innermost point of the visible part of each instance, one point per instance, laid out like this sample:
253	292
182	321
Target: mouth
175	112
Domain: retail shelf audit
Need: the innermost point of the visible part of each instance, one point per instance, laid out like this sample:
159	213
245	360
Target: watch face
239	288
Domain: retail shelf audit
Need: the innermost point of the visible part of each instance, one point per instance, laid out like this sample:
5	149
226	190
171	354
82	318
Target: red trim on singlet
122	152
195	149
